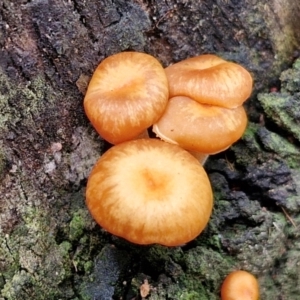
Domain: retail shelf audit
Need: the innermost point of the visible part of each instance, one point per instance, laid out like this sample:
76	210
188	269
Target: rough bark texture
50	246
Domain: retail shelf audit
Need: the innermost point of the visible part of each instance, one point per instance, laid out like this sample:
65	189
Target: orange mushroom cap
148	191
128	92
200	127
209	79
240	285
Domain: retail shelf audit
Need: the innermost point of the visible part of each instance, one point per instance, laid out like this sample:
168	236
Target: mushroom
148	191
205	114
240	285
127	93
200	128
209	79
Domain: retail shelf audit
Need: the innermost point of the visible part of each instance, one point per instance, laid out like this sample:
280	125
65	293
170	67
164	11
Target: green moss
44	264
78	224
260	144
290	79
65	248
199	262
177	292
193	281
248	150
7	245
284	110
88	266
14	287
24	101
40	283
273	142
7	92
283	107
285	280
184	288
192	296
158	253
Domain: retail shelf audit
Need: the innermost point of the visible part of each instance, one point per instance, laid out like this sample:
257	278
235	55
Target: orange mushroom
205	114
148	191
128	92
200	128
208	79
240	285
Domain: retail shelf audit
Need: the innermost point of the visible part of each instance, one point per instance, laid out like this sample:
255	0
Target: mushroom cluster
147	190
205	114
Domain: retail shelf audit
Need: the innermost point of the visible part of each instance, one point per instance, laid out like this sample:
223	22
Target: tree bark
50	246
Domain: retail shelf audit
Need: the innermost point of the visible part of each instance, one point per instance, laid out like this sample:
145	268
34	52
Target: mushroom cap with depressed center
240	285
199	127
127	93
148	191
208	79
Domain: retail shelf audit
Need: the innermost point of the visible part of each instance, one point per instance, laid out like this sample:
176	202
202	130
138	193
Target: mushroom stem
202	157
143	135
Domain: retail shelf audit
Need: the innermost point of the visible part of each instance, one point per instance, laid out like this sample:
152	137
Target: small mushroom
240	285
145	289
127	93
200	128
208	79
148	191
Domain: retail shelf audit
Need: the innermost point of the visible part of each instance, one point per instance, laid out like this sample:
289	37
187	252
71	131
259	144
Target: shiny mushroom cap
127	93
200	127
240	285
208	79
148	191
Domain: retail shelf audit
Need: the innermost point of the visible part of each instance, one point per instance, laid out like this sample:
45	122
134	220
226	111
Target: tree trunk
50	246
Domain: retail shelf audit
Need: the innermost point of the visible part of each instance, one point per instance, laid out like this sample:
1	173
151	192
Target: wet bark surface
50	248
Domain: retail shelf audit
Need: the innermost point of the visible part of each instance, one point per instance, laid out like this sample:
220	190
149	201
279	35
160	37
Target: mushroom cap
209	79
127	93
200	127
148	191
240	285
